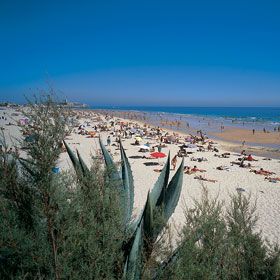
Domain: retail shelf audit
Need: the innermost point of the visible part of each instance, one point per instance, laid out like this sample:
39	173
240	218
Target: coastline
231	138
259	143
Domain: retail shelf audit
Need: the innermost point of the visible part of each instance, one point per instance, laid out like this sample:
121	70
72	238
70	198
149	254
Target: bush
49	230
215	245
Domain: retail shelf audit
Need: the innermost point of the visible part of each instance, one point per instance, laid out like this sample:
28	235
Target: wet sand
240	135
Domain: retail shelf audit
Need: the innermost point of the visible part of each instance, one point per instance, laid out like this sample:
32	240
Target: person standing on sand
109	141
174	162
253	131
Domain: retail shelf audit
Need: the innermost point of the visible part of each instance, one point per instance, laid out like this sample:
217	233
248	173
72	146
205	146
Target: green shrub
218	245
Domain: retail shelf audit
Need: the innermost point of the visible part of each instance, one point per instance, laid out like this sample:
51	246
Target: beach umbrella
138	138
158	155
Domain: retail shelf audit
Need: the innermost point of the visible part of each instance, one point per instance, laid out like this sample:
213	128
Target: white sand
267	194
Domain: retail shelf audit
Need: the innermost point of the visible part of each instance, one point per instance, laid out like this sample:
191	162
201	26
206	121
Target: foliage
73	226
215	245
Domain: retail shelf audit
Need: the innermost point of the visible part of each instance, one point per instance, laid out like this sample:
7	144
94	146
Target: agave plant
163	197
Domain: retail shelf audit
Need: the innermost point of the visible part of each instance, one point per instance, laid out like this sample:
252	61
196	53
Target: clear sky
143	52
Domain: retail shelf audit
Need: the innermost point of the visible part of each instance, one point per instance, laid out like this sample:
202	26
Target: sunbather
224	155
195	169
157	170
241	163
223	167
188	170
273	180
250	158
262	172
199	159
200	177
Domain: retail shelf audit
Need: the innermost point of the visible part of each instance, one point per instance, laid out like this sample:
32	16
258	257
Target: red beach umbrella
158	155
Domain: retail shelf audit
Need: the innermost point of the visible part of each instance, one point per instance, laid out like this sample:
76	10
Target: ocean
247	117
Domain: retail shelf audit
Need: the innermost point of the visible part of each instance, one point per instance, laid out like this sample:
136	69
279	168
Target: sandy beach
258	137
229	181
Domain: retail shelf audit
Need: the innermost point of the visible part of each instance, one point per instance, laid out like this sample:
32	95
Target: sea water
201	117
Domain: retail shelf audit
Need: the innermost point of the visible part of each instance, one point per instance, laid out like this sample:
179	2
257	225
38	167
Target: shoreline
229	139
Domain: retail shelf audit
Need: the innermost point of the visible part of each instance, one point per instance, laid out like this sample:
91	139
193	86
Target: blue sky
179	53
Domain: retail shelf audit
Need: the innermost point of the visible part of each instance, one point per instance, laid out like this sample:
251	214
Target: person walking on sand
109	141
174	162
253	131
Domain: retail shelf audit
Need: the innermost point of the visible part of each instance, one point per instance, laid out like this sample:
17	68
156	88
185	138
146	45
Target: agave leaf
133	224
113	171
84	167
173	192
128	185
148	218
159	189
133	262
155	197
73	157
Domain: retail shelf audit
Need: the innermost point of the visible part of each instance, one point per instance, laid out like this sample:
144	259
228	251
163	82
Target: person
262	172
250	158
188	170
174	162
109	140
241	163
209	147
195	169
200	177
272	180
253	131
223	167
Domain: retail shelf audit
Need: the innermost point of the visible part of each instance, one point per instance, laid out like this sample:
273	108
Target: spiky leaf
83	166
133	224
128	185
156	195
112	168
133	262
148	218
159	189
73	157
173	192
